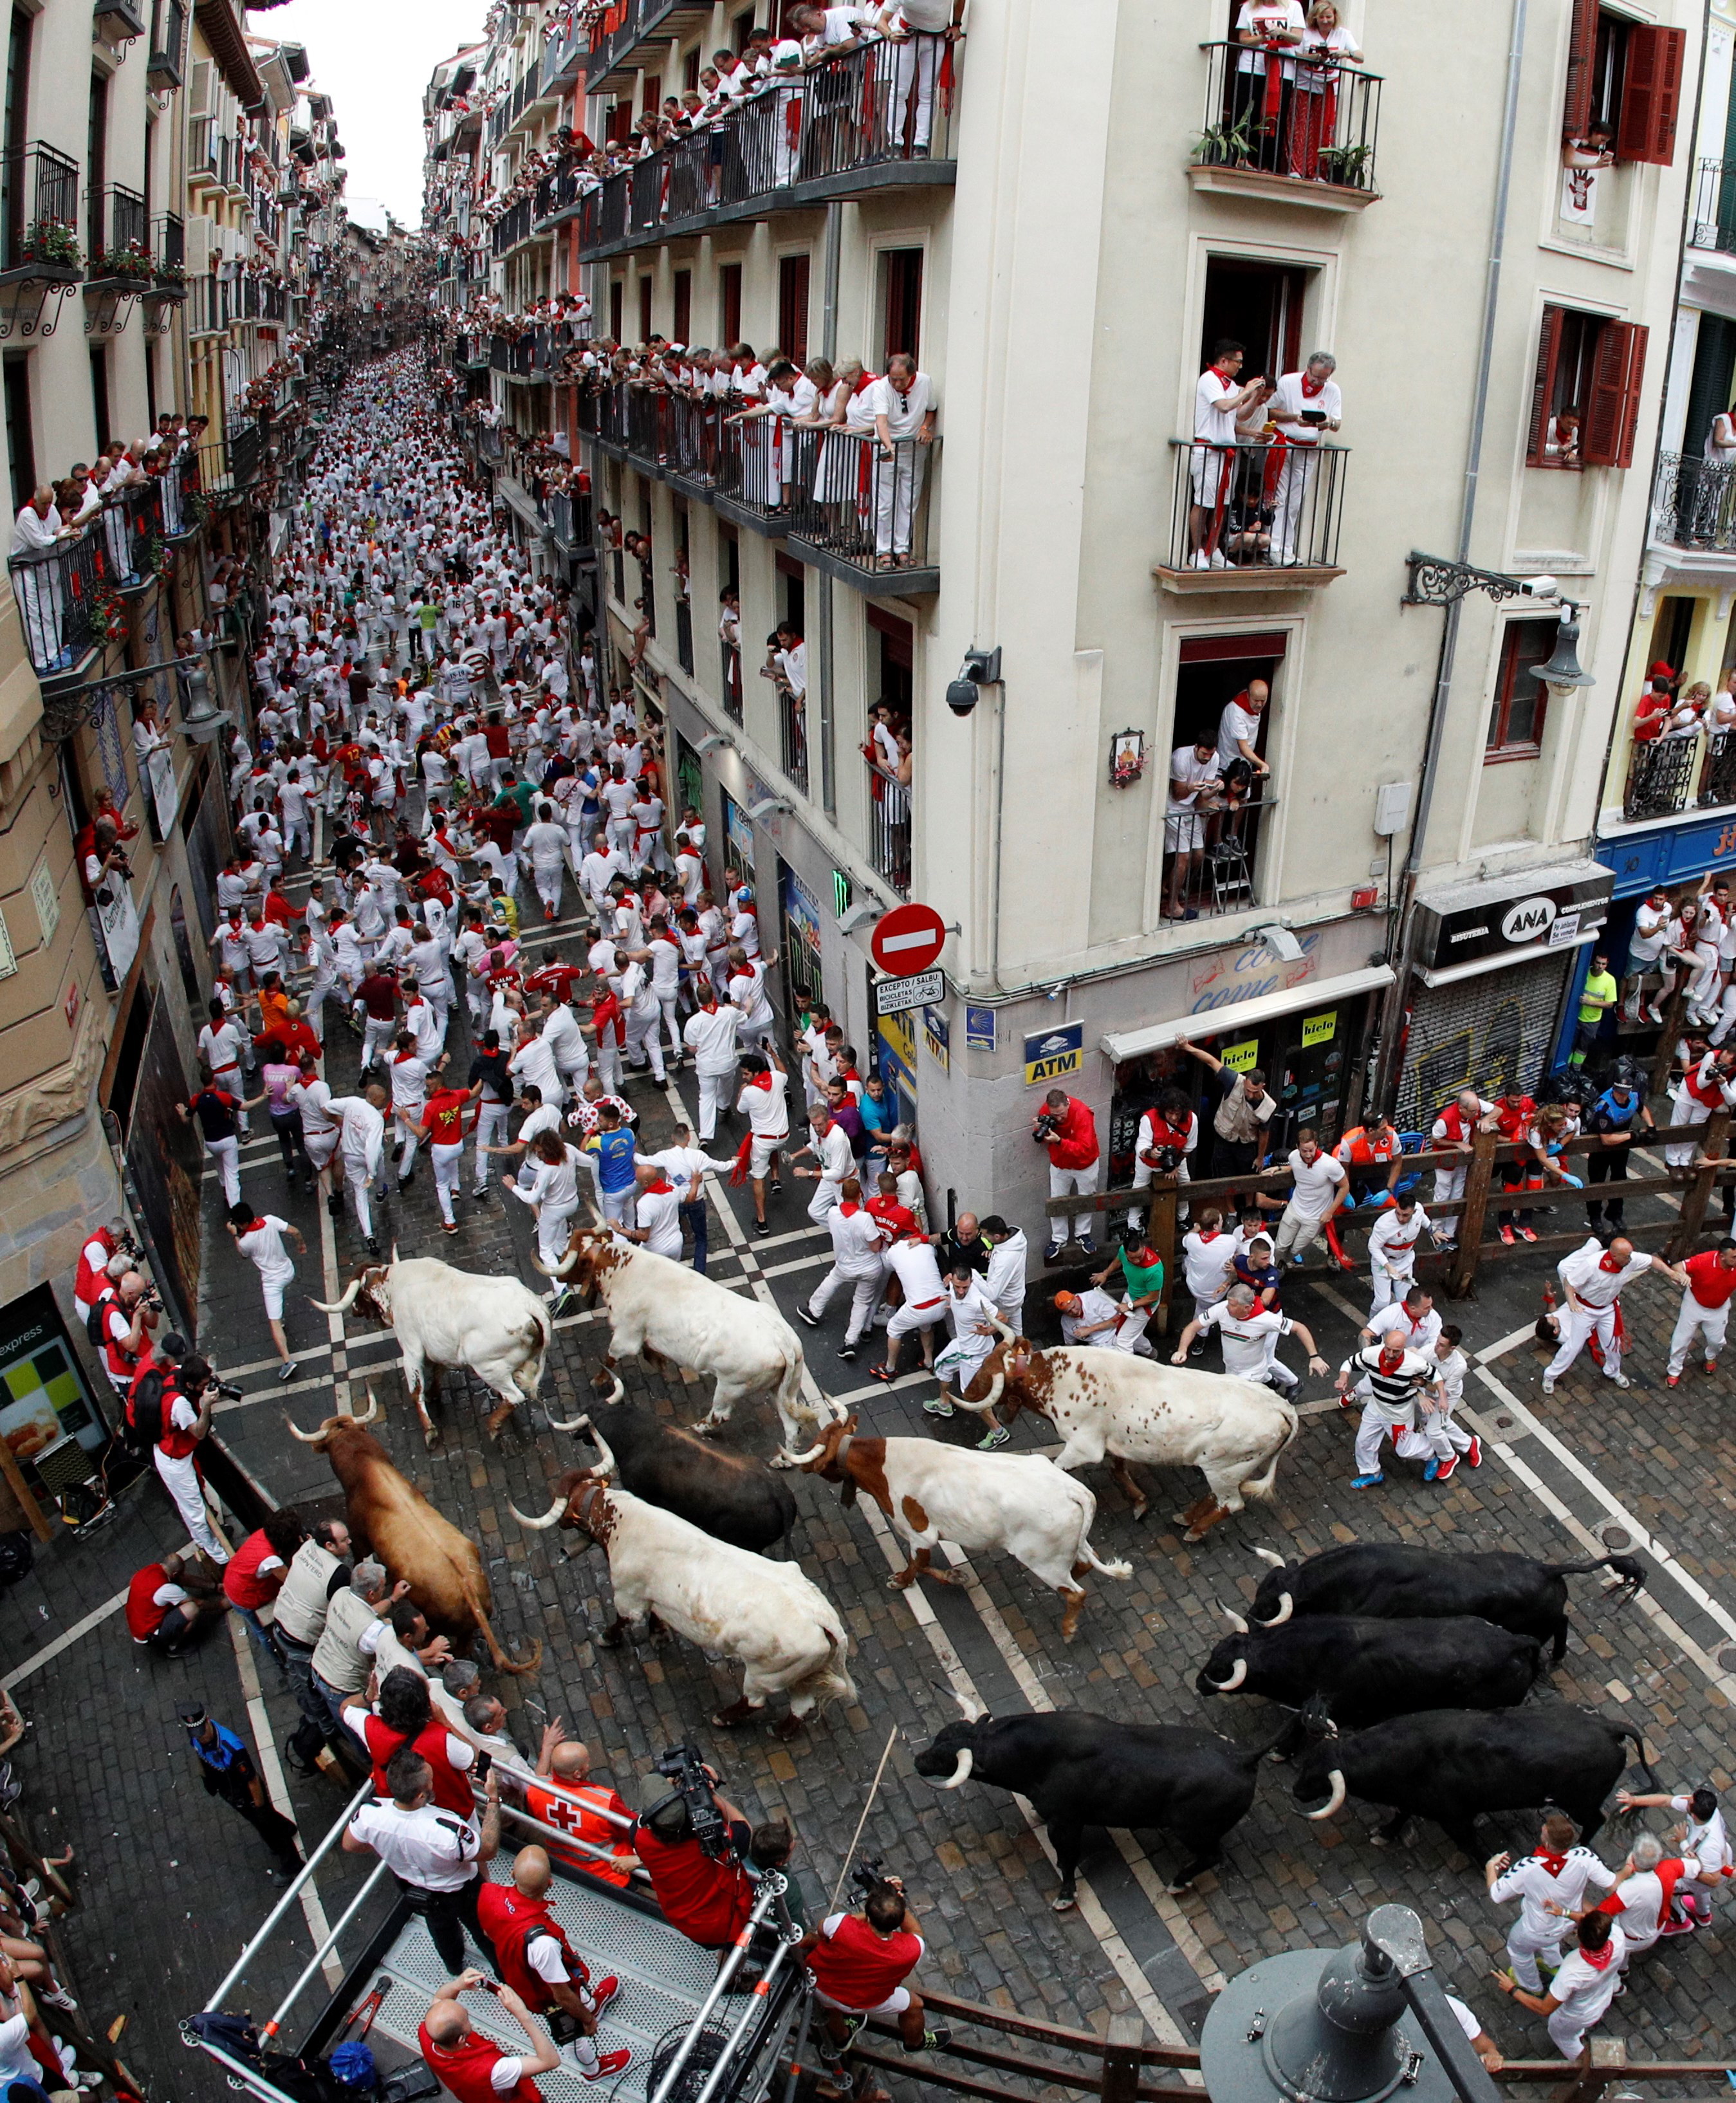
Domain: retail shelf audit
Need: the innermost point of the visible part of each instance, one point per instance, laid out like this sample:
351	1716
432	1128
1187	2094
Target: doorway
1259	305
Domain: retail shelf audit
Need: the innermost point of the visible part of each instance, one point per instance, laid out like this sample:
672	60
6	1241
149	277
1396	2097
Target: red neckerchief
1607	1262
253	1227
1310	388
760	1081
1598	1959
1397	1357
401	1056
1552	1862
1221	374
1214	1234
657	1189
847	1210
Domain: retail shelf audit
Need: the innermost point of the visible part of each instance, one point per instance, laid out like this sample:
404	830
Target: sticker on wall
1241	1058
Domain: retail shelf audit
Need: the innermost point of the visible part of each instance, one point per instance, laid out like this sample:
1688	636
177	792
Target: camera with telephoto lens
682	1765
227	1389
1045	1125
866	1876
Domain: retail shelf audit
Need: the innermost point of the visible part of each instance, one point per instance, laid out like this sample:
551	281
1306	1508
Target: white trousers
1297	1231
864	1291
1525	1946
226	1152
356	1176
1298	485
1074	1183
825	1196
490	1131
1450	1188
1372	1434
1142	1174
898	490
554	1231
1712	1320
1443	1438
376	1038
1567	2034
1389	1285
715	1091
180	1478
666	1002
1689	1115
609	1063
407	1159
1577	1325
448	1167
644	1038
547	877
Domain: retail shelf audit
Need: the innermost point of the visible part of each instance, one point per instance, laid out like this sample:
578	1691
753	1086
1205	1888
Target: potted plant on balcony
126	259
1226	144
170	273
1345	166
51	244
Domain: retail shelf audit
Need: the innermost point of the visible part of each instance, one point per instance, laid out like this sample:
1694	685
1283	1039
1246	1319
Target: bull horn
973	1712
1334	1804
568	1424
1230	1685
338	1307
983	1408
605	1467
961	1773
1234	1620
375	1415
619	1391
557	1270
1266	1555
394	1251
1286	1607
805	1460
549	1518
1007	1334
307	1438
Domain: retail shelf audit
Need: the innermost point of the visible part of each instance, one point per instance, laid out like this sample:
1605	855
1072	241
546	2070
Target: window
96	171
1626	77
902	278
792	591
617	295
19	443
741	27
99	394
729	305
1589	369
1515	721
684	306
652	97
1259	305
891	659
793	308
645	309
620	125
690	70
1212	670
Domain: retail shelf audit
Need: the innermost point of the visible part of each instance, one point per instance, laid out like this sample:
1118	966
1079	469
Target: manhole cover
1504	1423
1616	1537
1727	1657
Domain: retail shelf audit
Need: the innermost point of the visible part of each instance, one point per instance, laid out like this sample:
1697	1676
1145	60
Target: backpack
146	1413
95	1322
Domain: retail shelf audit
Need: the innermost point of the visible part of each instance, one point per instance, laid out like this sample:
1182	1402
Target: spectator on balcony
1305	405
1270	31
1562	438
1194	775
1581	161
1218	401
1239	727
904	408
1325	46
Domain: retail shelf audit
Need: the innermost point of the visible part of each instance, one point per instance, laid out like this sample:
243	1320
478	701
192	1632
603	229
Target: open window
1585	402
1624	78
1516	714
1258	304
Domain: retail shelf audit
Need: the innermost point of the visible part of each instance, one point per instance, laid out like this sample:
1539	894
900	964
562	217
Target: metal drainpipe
1392	1007
824	685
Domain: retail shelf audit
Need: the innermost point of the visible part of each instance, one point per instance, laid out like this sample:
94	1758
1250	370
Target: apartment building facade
123	643
1060	232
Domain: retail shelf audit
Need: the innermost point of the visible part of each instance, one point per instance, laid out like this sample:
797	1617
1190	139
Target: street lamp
1348	2025
1435	580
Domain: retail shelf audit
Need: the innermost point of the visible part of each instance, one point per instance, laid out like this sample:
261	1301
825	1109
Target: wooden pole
1714	1138
1121	2059
1668	1038
1461	1276
21	1490
1160	1232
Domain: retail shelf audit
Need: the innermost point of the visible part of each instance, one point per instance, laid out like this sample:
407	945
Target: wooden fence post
1668	1038
1121	2082
1478	1176
1714	1137
1160	1234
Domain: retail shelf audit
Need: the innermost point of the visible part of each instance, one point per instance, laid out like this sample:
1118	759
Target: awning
1120	1045
1478	965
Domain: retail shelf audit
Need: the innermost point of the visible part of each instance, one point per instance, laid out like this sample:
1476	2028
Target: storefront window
43	1393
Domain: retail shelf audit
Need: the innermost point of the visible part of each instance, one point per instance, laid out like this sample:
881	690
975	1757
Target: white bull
497	1327
1012	1504
781	1627
665	1310
1109	1405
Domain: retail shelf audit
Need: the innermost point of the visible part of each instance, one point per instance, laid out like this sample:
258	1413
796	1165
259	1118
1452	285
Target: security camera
1280	940
982	668
717	740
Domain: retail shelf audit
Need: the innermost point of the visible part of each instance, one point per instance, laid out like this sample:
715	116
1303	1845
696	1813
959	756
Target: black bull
1455	1765
1366	1671
1079	1770
1391	1581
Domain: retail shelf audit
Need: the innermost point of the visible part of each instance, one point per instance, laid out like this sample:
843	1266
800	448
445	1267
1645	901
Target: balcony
65	602
626	25
889	828
1712	219
860	515
513	228
168	51
1287	130
120	234
729	673
1260	518
1210	859
39	211
1671	775
792	719
878	117
1693	504
563	55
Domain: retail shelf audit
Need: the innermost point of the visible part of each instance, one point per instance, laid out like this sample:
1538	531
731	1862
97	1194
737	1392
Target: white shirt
1214	398
1583	1271
1207	1259
1289	398
1005	1279
1236	722
1392	1320
430	1847
364	1129
1531	1882
855	1241
917	1270
1710	1843
768	1116
836	1155
903	412
263	1245
1317	1183
1392	1245
975	1311
1584	1992
659	1212
1187	766
712	1036
1247	1342
1642	1895
1267	18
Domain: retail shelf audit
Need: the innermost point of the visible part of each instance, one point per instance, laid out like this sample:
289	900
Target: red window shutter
1651	93
1612	415
1549	344
1582	51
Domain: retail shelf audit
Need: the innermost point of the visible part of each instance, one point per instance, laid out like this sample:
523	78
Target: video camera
866	1876
682	1766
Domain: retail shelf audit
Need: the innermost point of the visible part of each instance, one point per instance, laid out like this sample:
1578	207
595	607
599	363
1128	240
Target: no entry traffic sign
908	939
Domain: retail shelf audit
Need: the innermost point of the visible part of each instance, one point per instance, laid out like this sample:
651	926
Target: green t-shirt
1599	992
429	615
1142	1281
524	797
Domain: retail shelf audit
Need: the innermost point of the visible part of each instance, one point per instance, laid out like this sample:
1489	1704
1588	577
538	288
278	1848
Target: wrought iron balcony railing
39	211
1693	503
1255	511
1711	223
1274	112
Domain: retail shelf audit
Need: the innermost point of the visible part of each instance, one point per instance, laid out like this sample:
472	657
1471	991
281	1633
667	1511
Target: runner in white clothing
1550	1885
1393	1249
763	1102
1249	1337
831	1148
1580	1994
857	1261
710	1034
1592	1278
260	1238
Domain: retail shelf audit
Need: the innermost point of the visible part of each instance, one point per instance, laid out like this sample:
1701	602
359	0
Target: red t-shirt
859	1968
467	2070
446	1116
708	1901
1711	1283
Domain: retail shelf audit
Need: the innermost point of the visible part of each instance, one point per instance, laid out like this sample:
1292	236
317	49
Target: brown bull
444	1569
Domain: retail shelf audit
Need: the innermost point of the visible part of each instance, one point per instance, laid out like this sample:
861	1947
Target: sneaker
762	1228
1527	1235
1711	1365
604	1991
1474	1454
480	1194
1431	1472
996	1436
335	1205
1675	1380
57	1997
1621	1379
609	2063
1444	1469
448	1226
802	1315
1548	1384
1508	1236
1087	1246
937	1406
288	1372
1685	1924
881	1372
373	1245
932	2040
1202	561
1051	1255
848	1354
1366	1482
776	1186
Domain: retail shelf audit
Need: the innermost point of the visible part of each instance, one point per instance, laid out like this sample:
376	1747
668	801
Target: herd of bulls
1404	1676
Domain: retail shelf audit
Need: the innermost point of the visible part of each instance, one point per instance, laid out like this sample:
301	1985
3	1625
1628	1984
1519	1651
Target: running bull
1388	1580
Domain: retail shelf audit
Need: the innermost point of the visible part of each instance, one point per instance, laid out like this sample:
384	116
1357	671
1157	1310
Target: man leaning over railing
904	408
37	533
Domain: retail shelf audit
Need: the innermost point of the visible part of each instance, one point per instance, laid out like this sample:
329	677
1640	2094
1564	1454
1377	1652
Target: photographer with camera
122	1323
468	2066
1068	1128
171	1423
691	1844
859	1961
538	1963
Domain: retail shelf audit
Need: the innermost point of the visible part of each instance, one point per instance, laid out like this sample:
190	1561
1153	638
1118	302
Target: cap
192	1714
1065	1302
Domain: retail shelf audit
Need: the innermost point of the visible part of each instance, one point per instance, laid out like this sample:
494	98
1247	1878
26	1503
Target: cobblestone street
105	1763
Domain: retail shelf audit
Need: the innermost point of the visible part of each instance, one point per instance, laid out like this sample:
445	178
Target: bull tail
1260	1485
1088	1555
503	1663
1630	1571
832	1682
1644	1764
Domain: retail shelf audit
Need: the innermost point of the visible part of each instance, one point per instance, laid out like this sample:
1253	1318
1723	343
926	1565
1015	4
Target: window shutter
1582	52
1549	344
1651	93
1612	415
